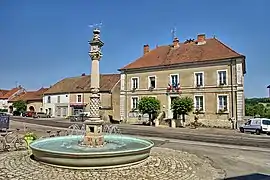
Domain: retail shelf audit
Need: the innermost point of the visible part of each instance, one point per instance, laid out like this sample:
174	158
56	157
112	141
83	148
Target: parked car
29	114
256	125
41	115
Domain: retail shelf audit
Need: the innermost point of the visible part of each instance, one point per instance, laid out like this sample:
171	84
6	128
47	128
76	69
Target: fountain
88	146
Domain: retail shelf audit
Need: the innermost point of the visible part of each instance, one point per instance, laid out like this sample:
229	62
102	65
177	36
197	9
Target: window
49	99
222	77
222	102
135	83
58	99
134	102
79	98
199	103
198	79
174	80
58	111
50	111
152	82
266	122
64	112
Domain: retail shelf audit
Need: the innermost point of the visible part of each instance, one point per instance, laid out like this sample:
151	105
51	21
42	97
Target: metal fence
4	122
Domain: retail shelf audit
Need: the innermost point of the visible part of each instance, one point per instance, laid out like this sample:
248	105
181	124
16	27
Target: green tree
182	106
20	106
150	106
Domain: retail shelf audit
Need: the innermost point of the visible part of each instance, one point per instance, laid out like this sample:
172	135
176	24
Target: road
200	135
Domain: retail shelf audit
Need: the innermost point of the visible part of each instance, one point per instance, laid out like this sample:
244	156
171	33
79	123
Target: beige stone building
71	96
206	70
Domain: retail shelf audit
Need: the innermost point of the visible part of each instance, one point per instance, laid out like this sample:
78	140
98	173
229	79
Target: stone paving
162	164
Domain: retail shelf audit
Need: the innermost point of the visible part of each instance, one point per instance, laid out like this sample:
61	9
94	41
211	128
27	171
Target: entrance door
170	112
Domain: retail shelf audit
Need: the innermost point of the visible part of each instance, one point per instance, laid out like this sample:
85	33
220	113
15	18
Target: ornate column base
93	136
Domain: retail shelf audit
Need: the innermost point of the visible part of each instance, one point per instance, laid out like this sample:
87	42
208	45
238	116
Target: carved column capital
95	55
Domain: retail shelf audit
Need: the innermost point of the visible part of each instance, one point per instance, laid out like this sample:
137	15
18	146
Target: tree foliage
254	101
20	106
182	106
257	107
149	105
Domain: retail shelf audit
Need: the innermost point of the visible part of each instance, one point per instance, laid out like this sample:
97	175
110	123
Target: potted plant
30	137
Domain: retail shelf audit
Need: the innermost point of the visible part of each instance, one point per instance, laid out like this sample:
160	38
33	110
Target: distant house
7	95
34	99
71	96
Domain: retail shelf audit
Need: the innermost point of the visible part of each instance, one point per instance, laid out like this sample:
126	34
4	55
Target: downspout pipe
126	98
232	94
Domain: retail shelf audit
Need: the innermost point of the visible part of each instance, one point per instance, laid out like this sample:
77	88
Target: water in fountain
110	129
74	129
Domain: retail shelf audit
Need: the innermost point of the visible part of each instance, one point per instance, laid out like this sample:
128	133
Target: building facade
206	70
71	96
57	104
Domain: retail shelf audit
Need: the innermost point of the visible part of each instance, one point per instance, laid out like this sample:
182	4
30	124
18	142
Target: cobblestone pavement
162	164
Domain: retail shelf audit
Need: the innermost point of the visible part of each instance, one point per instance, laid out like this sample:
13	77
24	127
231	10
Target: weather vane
96	26
173	31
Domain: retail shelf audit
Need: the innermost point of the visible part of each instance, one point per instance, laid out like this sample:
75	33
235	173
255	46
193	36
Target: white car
256	125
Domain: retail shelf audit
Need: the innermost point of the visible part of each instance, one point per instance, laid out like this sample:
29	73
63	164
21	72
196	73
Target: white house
57	105
6	95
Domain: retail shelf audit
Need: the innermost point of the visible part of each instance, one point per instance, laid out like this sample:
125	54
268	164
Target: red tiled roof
213	49
3	92
83	84
10	93
30	95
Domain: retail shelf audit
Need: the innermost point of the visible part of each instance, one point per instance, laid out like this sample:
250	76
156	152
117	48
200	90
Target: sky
44	41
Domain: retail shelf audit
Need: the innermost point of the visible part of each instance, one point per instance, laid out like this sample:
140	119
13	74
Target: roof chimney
175	42
146	48
201	39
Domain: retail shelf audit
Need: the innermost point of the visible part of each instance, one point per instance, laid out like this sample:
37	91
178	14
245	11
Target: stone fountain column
93	136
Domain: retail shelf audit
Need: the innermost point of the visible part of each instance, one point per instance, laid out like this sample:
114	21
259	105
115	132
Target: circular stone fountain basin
66	151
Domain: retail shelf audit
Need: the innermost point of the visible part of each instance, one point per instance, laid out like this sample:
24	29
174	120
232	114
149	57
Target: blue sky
42	41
